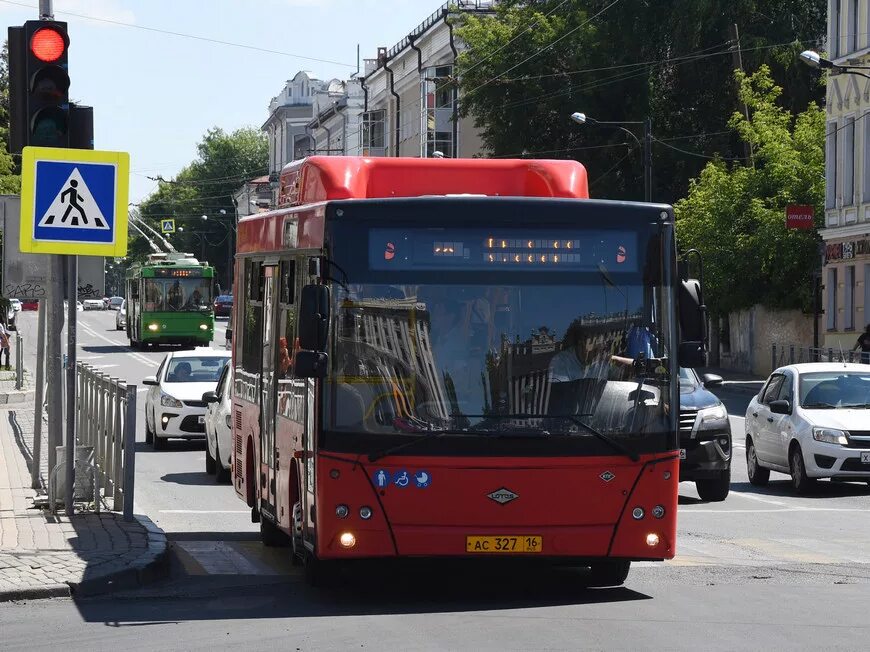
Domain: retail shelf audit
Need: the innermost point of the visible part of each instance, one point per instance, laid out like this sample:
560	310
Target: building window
849	302
831	307
831	166
852	26
373	133
849	162
438	95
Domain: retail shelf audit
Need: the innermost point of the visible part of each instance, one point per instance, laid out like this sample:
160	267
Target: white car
94	304
16	304
174	408
121	317
219	427
811	421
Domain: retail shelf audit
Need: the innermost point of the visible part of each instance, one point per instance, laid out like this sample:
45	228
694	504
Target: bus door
267	389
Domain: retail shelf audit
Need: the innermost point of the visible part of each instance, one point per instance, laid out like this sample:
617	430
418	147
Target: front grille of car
191	424
687	421
196	404
859	443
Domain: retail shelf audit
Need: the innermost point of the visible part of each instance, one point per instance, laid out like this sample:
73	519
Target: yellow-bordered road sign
74	201
167	225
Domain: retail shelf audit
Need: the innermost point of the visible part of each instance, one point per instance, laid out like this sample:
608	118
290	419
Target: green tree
531	65
735	214
205	187
10	182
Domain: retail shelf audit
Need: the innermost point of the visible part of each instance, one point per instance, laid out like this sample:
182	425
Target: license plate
504	544
682	453
201	420
865	458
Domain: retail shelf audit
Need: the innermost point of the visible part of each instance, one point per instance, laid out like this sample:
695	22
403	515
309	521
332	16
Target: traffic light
39	85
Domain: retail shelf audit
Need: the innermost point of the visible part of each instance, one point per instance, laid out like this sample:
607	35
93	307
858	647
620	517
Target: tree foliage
10	182
735	214
531	65
205	187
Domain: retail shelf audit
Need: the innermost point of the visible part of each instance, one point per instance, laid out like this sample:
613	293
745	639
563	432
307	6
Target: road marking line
106	366
134	354
220	558
685	510
759	498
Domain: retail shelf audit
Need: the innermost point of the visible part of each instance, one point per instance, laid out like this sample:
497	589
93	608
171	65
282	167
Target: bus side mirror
314	317
310	364
693	325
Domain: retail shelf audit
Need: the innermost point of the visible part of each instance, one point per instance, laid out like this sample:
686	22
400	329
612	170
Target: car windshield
177	295
835	390
688	379
195	369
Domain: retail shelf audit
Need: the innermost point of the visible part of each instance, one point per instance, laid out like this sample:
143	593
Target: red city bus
448	358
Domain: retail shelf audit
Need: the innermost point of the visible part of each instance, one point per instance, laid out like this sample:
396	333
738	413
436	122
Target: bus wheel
270	535
611	572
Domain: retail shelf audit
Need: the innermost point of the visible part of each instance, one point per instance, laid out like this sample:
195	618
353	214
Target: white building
336	126
846	271
411	104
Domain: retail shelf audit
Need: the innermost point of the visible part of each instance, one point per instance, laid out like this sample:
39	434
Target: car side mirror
150	380
310	364
210	397
314	317
780	407
711	380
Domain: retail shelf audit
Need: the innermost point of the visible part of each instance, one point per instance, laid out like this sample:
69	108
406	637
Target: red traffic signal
48	44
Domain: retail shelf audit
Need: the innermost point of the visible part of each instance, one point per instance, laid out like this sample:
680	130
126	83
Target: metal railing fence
782	355
106	420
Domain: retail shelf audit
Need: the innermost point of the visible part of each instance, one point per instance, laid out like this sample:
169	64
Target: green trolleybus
169	301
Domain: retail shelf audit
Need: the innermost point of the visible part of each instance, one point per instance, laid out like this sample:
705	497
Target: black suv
705	437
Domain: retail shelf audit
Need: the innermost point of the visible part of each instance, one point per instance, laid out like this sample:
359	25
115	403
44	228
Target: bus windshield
177	295
528	351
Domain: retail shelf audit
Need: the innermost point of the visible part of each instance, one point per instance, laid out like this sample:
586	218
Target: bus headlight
342	511
153	327
203	327
652	539
347	540
637	513
365	512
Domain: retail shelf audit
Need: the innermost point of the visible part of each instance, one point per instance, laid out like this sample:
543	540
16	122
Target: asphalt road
764	568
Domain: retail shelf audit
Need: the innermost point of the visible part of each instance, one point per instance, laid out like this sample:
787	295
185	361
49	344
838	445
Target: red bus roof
322	178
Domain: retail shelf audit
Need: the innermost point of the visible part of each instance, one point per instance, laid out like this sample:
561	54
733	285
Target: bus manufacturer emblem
607	476
502	496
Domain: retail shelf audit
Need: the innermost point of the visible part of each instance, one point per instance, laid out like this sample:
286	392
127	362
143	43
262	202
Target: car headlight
830	435
170	401
713	418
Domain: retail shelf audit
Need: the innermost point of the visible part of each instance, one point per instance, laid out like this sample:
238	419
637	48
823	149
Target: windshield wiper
855	406
575	418
818	406
425	434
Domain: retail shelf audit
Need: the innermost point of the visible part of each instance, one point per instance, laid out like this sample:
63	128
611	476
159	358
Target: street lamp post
582	119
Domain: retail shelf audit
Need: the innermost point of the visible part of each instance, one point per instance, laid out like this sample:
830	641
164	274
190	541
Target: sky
155	94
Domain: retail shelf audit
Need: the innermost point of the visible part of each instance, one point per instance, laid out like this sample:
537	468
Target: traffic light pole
45	10
72	271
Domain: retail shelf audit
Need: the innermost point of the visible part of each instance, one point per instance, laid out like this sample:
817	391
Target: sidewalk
49	556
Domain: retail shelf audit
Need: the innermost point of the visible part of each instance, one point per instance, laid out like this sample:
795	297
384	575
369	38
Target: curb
155	568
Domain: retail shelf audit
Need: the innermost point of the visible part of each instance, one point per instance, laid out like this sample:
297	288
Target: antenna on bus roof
148	226
147	239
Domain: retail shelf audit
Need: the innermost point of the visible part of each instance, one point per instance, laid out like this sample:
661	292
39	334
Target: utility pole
647	160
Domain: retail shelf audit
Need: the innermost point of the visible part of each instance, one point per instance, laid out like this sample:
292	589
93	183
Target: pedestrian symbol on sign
74	206
168	226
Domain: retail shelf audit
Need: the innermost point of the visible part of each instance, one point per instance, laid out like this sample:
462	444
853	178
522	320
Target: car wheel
799	479
221	474
611	572
209	460
715	490
758	475
270	535
149	433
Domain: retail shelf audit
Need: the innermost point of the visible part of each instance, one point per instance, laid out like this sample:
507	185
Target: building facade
411	103
846	235
336	125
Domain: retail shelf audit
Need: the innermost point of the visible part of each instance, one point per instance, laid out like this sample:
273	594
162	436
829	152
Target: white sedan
174	408
94	304
811	421
121	316
219	427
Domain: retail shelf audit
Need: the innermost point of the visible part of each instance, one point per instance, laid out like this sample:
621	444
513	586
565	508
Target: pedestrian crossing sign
167	225
74	201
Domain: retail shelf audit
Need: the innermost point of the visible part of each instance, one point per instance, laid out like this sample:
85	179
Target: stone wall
753	332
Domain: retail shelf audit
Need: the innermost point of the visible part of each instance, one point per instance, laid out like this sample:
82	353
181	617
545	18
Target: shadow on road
382	588
105	349
689	500
189	478
823	489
